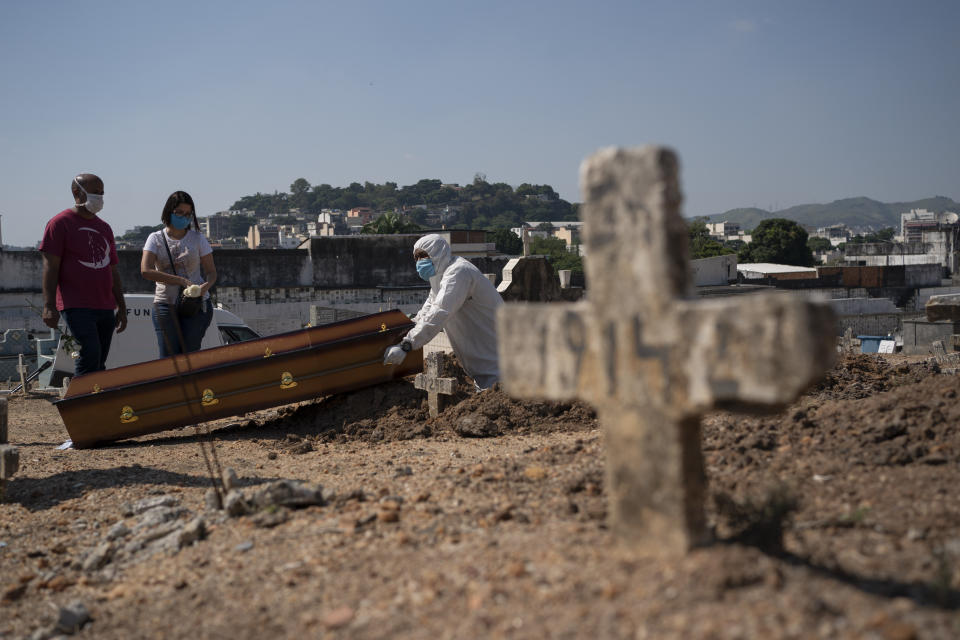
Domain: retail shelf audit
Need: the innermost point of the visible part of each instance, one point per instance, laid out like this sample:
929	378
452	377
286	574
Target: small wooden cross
431	382
649	361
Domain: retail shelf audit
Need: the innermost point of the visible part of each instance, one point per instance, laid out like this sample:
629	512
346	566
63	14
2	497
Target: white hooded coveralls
462	302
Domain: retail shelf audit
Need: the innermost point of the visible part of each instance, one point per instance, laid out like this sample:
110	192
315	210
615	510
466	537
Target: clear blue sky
769	103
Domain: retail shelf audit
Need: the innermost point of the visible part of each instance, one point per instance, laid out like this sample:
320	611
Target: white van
138	342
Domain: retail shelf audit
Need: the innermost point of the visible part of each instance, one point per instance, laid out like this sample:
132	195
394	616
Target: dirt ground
836	518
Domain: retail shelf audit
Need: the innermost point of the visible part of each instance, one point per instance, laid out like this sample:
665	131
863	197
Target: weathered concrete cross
430	381
650	362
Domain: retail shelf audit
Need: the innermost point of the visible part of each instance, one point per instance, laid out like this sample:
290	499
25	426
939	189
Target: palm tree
390	222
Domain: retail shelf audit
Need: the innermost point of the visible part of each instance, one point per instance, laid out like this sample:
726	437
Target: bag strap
173	267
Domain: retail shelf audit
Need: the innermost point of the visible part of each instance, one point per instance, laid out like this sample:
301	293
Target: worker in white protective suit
463	303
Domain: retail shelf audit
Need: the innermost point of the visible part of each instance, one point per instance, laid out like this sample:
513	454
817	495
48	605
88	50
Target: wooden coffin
225	381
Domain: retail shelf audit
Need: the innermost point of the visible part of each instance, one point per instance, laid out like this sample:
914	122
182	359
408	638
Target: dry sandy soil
837	518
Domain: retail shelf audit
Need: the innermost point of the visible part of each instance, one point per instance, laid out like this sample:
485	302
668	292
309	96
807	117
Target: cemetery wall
874	324
919	335
270	288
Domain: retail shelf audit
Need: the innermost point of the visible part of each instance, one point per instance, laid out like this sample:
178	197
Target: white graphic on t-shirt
100	257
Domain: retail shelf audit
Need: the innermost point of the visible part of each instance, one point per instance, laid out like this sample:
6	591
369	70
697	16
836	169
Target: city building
837	234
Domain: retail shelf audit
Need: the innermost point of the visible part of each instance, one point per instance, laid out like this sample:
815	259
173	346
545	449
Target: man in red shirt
80	275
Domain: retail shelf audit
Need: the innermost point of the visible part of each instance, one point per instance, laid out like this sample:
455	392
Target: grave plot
823	533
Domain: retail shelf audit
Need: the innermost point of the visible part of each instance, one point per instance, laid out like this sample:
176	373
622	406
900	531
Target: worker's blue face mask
425	268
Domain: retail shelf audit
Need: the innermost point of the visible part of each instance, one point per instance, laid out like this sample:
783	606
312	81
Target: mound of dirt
863	375
397	411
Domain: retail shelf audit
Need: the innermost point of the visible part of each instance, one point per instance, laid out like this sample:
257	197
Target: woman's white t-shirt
186	253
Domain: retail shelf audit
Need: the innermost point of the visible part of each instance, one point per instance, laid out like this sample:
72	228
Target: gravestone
434	364
944	307
648	360
9	456
530	279
949	362
939	351
847	342
22	370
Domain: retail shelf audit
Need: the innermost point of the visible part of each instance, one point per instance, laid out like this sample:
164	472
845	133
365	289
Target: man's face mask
180	222
94	201
425	268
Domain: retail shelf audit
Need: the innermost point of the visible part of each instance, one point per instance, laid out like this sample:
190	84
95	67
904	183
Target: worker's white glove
394	355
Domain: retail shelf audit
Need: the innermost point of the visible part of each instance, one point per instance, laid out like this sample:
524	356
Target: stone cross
649	361
431	382
9	456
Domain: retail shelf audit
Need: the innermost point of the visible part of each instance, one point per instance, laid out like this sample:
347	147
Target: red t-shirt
86	251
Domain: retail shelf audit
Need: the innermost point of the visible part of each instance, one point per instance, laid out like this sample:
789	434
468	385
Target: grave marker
944	307
650	362
431	382
9	456
22	370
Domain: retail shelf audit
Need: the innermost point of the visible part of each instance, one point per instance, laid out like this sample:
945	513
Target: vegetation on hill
479	205
853	212
138	235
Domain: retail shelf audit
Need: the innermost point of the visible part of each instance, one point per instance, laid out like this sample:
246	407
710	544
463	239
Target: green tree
556	251
819	245
299	186
886	234
506	241
702	245
780	241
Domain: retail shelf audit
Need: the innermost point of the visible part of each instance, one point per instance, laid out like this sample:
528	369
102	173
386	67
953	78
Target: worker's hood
438	249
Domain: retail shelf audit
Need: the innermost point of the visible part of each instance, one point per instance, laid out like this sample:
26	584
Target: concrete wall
330	263
363	261
877	324
863	306
919	275
923	296
20	270
918	335
366	272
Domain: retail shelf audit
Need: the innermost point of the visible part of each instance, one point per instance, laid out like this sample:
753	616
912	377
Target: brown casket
225	381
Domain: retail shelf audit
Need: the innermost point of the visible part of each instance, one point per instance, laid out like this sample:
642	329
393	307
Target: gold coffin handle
287	381
208	398
127	415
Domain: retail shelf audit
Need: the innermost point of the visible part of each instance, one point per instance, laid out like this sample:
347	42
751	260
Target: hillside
854	212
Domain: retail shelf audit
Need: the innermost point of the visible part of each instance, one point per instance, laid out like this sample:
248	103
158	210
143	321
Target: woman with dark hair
178	257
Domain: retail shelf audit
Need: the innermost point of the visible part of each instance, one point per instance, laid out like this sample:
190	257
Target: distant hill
854	212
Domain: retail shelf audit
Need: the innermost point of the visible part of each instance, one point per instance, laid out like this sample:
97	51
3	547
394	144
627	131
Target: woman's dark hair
176	199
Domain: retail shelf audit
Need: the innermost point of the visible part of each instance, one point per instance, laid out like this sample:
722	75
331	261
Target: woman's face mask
180	222
425	268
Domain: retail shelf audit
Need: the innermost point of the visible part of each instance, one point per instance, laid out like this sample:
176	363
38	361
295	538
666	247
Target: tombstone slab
945	307
650	361
531	279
